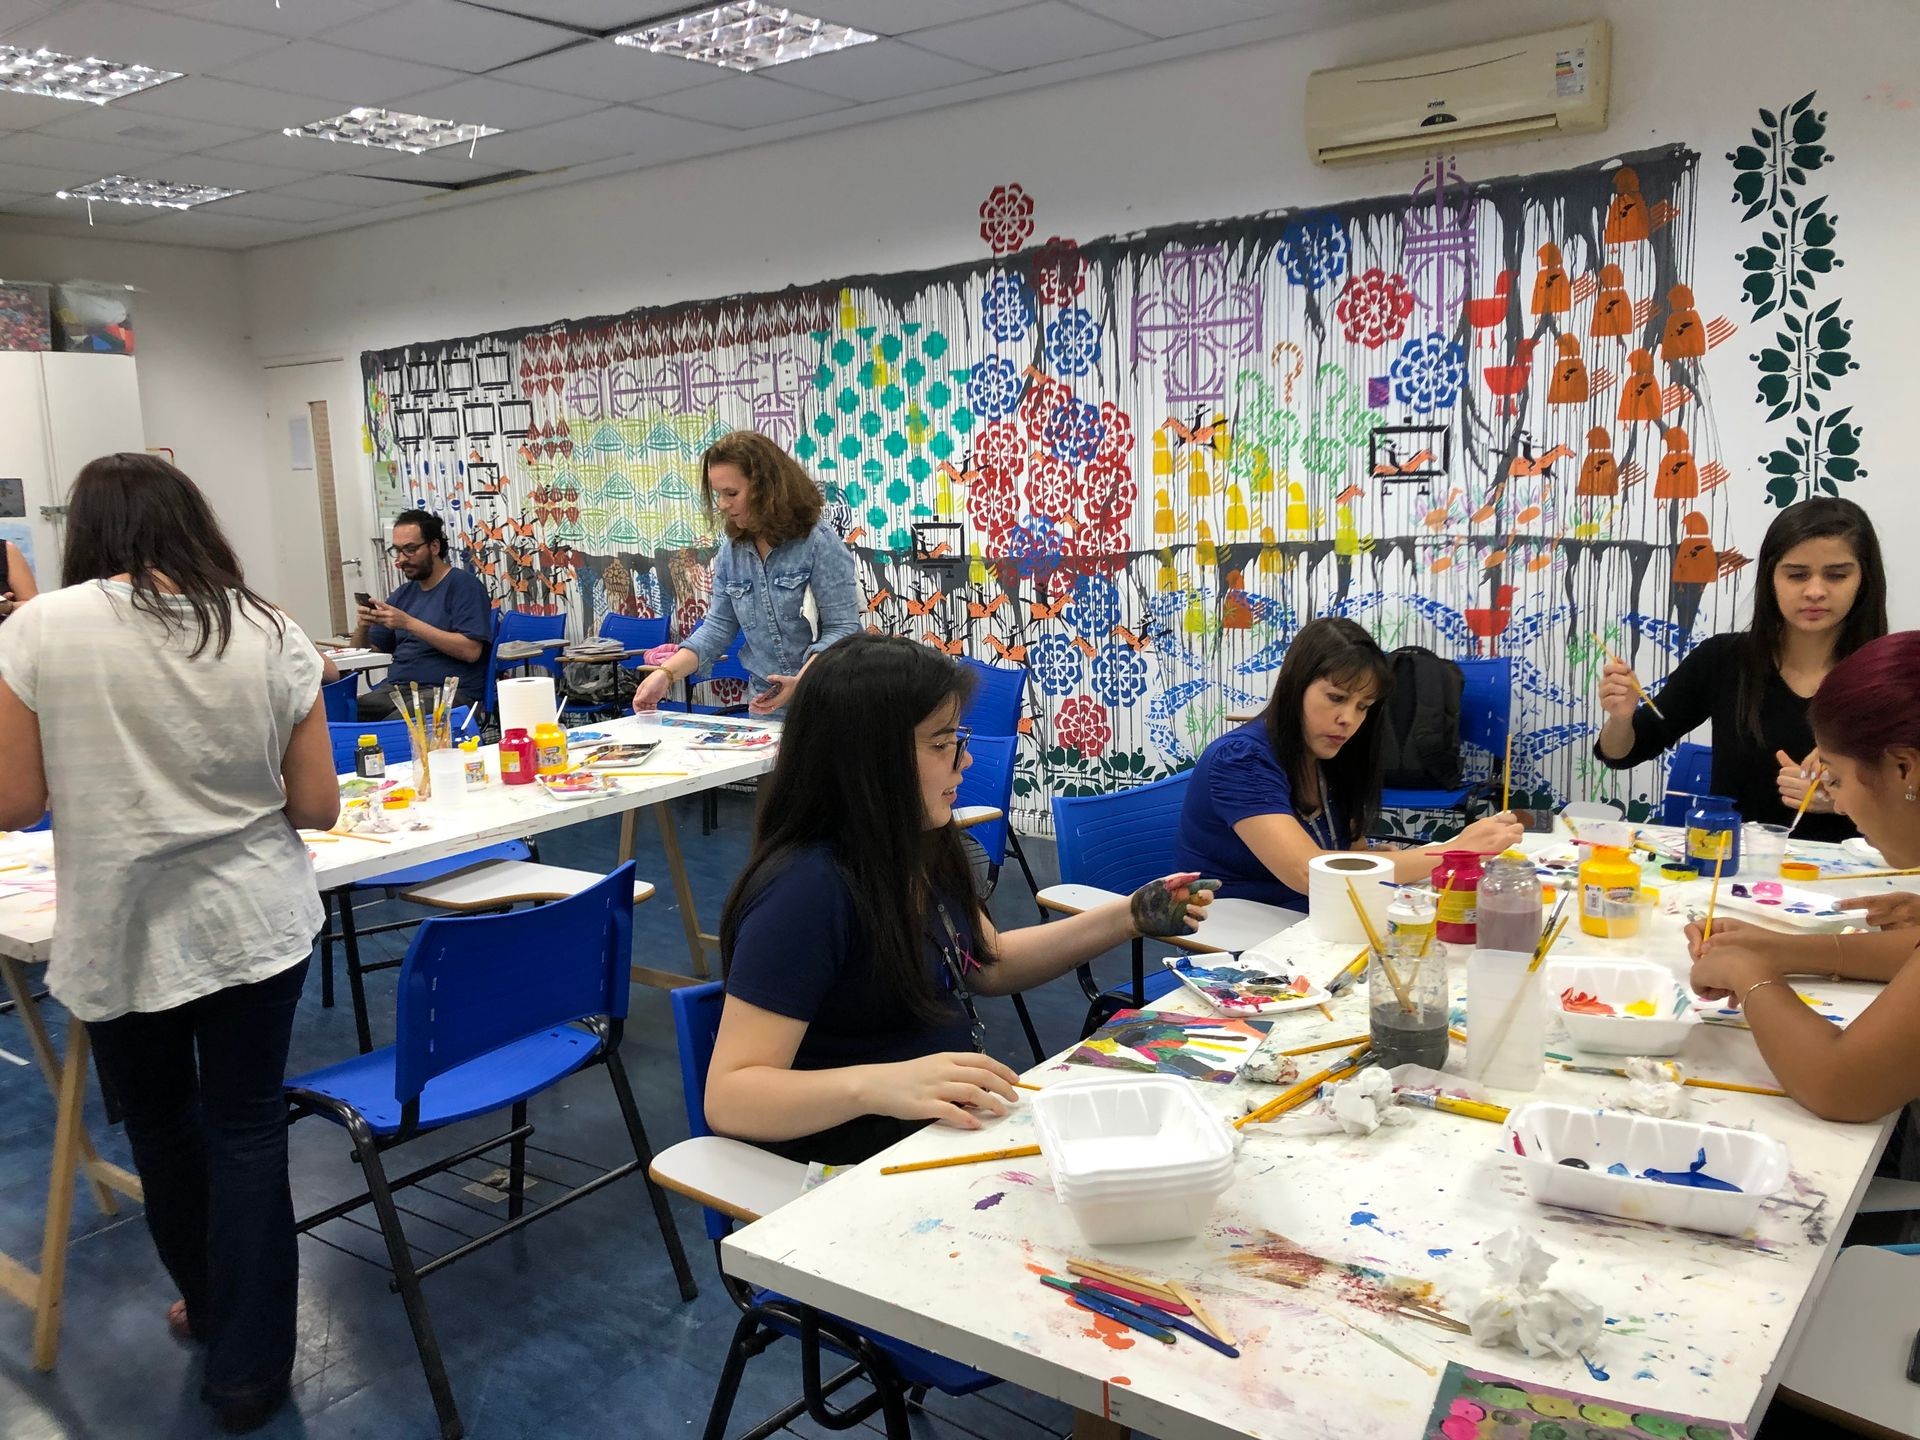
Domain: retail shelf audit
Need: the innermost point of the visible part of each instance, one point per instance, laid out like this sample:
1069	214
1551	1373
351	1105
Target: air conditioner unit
1553	83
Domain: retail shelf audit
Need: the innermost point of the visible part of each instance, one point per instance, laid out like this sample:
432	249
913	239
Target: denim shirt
765	600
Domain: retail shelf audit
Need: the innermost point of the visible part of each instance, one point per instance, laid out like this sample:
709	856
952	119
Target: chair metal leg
1026	1024
1020	855
356	980
738	1353
326	949
517	1163
405	1280
636	1132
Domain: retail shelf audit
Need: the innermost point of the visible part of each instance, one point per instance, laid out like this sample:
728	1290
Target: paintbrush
1330	1045
1456	1105
1288	1099
1632	678
1876	874
1506	777
1013	1152
1400	991
1812	769
1696	1082
1713	895
1349	972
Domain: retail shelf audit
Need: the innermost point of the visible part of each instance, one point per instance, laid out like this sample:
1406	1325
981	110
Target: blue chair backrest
1486	703
696	1026
471	984
998	693
45	822
392	735
517	625
1119	841
1689	773
340	698
634	632
728	666
989	781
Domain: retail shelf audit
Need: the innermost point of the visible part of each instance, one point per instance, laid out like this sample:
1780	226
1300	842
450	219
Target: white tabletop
485	817
347	661
1697	1324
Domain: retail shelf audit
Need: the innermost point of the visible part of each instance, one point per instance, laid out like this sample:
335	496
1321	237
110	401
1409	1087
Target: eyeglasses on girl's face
952	747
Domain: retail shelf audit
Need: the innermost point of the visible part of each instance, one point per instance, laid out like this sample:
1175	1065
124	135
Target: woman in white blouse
171	718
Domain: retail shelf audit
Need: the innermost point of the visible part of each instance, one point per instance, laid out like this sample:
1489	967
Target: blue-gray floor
572	1328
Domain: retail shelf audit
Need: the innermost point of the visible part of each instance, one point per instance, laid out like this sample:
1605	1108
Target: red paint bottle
517	758
1456	881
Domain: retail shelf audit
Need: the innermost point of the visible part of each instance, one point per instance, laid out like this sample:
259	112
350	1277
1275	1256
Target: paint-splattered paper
1150	1042
1475	1405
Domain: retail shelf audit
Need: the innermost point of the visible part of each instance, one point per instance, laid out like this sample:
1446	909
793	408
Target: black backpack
1422	741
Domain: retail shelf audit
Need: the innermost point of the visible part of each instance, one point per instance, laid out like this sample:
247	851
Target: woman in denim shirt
777	549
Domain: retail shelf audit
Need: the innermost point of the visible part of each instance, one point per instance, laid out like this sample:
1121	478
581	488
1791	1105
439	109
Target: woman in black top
1820	594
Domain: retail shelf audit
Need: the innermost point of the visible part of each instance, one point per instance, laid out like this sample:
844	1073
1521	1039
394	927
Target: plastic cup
1766	847
447	773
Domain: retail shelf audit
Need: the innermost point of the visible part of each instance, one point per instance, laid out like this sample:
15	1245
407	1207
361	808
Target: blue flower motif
1072	431
1006	309
1428	372
1073	342
1095	607
1035	546
1055	664
993	389
1119	675
1313	251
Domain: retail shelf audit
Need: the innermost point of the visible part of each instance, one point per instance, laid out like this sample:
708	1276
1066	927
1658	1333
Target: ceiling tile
18	12
199	97
326	155
648	138
449	166
23	112
1189	17
610	72
202	227
898	17
105	212
542	148
1021	39
286	208
483	100
883	70
746	102
445	32
42	180
353	77
145	37
209	170
354	190
99	157
598	15
155	132
297	19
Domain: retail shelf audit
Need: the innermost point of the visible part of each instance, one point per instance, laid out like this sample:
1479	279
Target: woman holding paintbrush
1820	594
172	718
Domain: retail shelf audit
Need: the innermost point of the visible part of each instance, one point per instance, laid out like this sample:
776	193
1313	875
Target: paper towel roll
527	702
1329	908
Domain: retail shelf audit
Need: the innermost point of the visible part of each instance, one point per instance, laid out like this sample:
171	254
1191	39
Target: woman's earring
1911	797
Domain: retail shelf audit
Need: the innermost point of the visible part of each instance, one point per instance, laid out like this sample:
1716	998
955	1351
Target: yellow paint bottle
549	749
1610	894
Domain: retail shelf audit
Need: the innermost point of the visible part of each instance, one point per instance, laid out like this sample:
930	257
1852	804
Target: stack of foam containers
1134	1159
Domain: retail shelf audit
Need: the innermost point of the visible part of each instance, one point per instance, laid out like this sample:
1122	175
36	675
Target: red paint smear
1579	1002
1119	1380
1038	1269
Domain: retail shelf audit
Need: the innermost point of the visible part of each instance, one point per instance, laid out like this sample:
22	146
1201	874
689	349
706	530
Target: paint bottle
1508	904
1713	835
369	761
1610	894
1411	915
475	763
1456	879
549	749
516	758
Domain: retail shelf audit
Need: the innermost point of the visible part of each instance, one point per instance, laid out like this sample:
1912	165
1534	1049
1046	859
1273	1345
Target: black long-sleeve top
1706	686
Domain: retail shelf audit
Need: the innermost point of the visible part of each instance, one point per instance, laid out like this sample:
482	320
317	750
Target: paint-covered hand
1896	910
1619	692
1172	905
956	1088
1491	835
1796	778
651	690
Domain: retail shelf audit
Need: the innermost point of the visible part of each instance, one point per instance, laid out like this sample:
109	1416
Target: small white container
447	773
1134	1159
1542	1136
1506	1021
1621	983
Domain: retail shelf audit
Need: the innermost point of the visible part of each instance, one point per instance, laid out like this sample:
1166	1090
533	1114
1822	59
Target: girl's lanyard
958	961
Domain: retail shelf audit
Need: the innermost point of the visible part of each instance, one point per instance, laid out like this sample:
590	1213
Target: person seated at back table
854	941
438	624
1303	779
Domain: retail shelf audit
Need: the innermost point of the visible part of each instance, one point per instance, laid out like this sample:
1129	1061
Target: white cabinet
57	412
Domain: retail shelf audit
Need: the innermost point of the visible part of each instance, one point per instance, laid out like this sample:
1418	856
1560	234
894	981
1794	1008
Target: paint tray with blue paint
1665	1172
1241	985
1789	905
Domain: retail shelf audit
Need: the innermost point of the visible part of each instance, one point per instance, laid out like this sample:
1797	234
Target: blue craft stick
1111	1308
1154	1315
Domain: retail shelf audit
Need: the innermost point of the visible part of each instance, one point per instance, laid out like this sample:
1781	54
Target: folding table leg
68	1140
356	981
697	941
42	1046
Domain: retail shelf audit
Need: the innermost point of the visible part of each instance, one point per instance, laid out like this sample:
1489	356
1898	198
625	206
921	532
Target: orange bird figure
1640	397
1599	474
1490	623
1682	338
1487	314
1627	219
1678	479
1552	295
1570	384
1613	310
1695	561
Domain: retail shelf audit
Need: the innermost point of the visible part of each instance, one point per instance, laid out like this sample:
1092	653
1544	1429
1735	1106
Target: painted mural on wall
1473	417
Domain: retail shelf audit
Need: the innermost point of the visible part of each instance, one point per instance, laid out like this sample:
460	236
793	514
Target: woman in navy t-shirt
1304	778
853	941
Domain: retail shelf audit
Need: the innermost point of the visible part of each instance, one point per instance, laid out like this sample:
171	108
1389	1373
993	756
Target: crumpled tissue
1358	1107
1519	1307
1654	1088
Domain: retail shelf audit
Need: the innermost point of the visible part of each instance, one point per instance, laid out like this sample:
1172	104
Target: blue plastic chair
1486	714
1120	841
513	626
392	735
999	692
727	667
1689	773
482	1030
899	1373
634	632
988	781
340	699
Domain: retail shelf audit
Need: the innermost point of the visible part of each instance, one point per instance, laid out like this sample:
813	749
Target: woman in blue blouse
1304	778
777	551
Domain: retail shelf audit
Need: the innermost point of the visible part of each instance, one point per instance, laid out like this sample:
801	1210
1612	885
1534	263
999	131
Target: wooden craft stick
1163	1302
1200	1313
356	835
1329	1045
1088	1269
1634	679
1014	1152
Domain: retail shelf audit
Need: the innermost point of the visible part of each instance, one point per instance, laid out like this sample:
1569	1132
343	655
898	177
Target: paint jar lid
1799	870
366	740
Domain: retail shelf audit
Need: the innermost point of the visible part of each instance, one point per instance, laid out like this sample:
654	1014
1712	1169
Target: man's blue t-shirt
457	603
1237	778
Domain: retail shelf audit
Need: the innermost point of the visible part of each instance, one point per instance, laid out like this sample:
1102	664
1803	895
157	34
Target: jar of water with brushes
1713	835
1408	1000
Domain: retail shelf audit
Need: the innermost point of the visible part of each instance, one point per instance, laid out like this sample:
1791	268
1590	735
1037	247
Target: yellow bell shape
1299	518
1272	562
1259	472
976	567
1239	521
917	426
1205	551
881	371
1222	438
1346	535
1199	477
1163	523
1162	456
1169	581
1195	622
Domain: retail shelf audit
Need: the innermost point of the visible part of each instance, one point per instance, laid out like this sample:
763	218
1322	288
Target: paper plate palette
1785	904
613	757
1234	987
577	785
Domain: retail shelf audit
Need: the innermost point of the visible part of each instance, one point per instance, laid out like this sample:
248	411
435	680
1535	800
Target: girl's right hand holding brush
957	1088
1619	692
1796	778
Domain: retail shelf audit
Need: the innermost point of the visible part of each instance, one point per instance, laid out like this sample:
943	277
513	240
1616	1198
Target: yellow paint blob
1642	1008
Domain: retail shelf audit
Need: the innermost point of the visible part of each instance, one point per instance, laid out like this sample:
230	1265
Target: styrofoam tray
1189	970
1780	904
1620	983
1542	1135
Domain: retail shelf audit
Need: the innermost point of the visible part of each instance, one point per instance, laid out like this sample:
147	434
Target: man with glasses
438	623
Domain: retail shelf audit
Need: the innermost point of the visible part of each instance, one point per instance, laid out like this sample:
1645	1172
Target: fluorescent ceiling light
745	36
69	77
391	130
131	190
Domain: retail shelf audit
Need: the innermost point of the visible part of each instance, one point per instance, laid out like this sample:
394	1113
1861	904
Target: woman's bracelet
1758	984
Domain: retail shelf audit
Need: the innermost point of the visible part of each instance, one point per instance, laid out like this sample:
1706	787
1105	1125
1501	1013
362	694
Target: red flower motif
1373	307
1116	434
1082	723
1100	547
1107	492
1000	448
1059	275
1050	487
991	511
1044	396
1006	219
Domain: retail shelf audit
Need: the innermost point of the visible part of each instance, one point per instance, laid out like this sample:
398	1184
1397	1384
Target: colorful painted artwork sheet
1785	904
1152	1042
1237	989
1476	1405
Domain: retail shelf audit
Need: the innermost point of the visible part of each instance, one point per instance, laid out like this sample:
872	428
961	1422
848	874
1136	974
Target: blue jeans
200	1087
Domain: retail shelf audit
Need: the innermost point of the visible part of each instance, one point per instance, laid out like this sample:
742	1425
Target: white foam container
1619	983
1134	1159
1541	1135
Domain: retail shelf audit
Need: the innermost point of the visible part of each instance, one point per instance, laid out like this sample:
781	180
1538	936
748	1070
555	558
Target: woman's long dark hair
1809	520
137	515
848	777
1343	653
